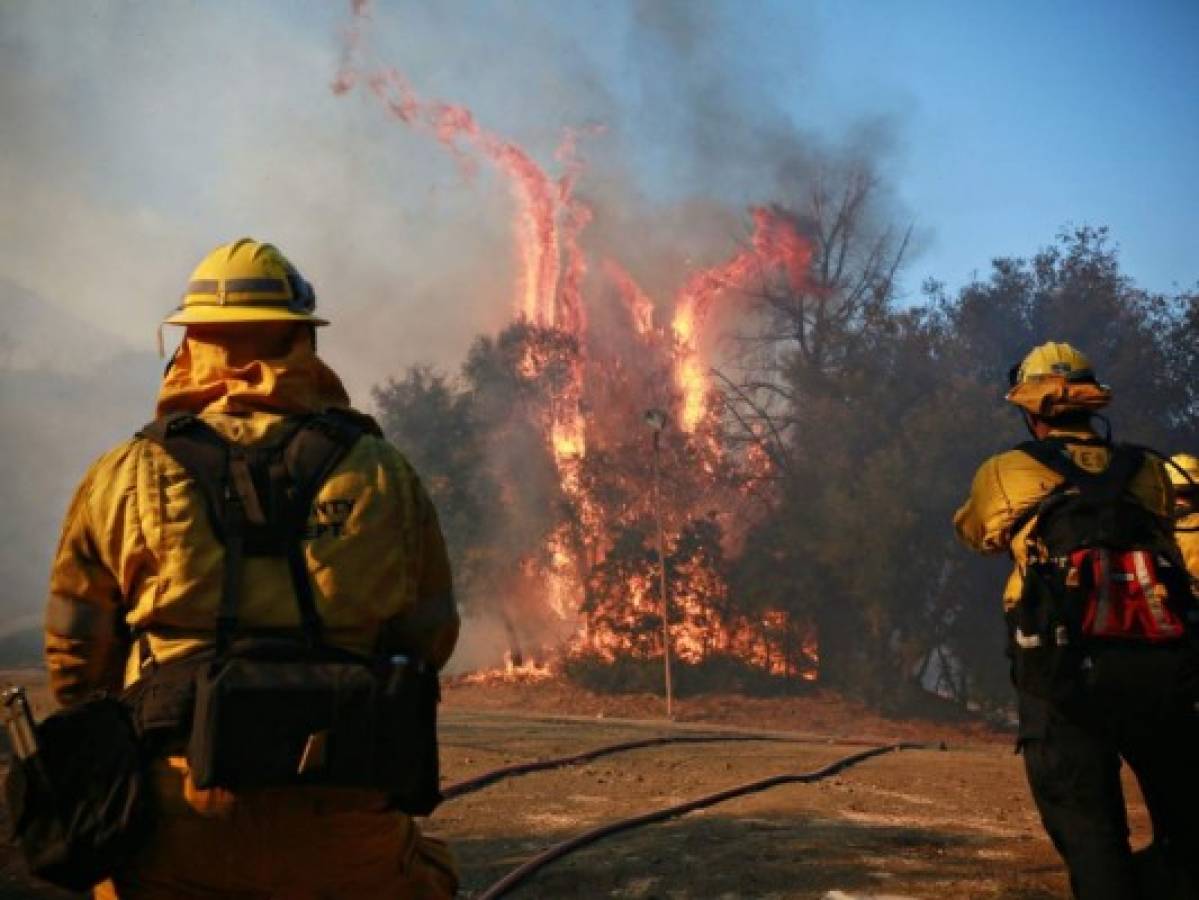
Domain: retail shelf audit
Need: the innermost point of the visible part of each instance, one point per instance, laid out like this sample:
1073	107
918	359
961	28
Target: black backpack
1102	569
277	710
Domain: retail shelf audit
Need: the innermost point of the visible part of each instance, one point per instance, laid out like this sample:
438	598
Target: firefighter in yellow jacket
1184	474
1127	707
139	558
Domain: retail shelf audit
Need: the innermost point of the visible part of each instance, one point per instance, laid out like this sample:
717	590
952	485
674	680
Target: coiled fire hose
527	869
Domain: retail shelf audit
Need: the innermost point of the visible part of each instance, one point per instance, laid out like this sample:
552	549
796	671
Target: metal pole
662	576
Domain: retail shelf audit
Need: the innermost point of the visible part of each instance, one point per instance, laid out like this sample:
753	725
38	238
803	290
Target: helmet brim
236	315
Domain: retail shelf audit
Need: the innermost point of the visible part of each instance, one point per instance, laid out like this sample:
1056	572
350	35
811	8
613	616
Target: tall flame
636	301
576	216
539	198
548	225
775	245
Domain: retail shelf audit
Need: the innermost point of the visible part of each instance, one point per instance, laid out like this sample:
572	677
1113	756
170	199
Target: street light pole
656	419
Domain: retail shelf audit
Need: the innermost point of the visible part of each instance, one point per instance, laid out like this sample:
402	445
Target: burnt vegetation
807	515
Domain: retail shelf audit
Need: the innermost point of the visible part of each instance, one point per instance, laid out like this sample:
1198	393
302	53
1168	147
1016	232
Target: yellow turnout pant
308	844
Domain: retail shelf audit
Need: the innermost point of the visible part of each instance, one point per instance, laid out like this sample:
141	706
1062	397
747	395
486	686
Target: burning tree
551	533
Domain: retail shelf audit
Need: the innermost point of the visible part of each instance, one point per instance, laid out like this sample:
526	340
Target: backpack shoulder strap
202	452
351	417
1126	462
1122	467
317	448
1054	456
311	456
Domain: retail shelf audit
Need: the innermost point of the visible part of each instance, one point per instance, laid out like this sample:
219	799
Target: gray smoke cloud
139	135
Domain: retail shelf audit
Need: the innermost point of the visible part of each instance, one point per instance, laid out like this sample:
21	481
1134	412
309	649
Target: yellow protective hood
268	367
1053	395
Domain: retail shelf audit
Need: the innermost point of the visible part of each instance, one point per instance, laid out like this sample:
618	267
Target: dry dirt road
923	824
954	823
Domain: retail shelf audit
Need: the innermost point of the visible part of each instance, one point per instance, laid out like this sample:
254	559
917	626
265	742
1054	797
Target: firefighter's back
149	579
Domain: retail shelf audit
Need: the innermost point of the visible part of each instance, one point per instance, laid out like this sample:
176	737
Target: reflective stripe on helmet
243	282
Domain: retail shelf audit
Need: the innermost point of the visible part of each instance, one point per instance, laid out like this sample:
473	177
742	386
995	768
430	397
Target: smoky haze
140	135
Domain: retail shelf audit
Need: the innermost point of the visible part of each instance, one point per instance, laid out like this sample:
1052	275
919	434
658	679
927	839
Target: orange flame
539	199
776	244
570	314
527	672
638	303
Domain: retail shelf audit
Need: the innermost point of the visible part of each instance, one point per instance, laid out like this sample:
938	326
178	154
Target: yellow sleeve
85	643
1151	486
1188	543
428	629
984	521
439	619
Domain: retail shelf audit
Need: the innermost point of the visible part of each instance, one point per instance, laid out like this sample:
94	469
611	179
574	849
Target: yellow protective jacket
138	553
1010	484
1188	542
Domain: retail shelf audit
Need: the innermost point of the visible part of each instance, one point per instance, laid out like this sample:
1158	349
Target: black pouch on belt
78	799
406	741
275	714
281	714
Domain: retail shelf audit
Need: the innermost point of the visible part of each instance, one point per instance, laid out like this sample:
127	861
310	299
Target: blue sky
1021	117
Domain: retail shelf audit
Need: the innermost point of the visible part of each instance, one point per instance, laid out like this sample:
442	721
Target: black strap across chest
259	498
1106	486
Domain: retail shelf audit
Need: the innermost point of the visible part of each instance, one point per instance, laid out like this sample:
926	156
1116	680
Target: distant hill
68	391
37	334
21	648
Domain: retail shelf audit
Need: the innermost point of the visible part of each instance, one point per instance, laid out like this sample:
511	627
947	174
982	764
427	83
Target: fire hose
478	782
527	869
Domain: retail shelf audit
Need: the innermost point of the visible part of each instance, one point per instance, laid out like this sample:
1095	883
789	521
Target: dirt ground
952	823
812	711
927	824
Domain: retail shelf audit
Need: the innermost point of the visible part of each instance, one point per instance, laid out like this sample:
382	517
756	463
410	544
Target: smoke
140	135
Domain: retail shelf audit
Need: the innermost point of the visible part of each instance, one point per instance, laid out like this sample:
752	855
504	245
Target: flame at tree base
525	672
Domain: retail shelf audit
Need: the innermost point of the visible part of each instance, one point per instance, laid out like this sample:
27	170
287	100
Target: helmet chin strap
1107	425
171	362
1027	416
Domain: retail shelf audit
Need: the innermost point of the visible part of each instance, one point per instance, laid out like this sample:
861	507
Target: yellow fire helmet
245	281
1184	471
1055	378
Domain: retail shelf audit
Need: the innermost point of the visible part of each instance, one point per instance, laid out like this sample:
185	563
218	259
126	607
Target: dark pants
1130	707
